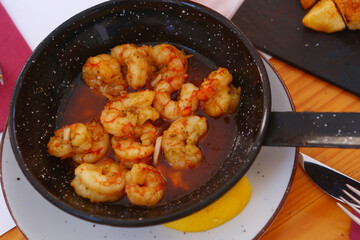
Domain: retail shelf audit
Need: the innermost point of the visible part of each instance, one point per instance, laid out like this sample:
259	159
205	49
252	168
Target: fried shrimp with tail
179	142
144	185
124	115
103	181
217	95
135	149
186	104
172	62
135	60
103	74
83	142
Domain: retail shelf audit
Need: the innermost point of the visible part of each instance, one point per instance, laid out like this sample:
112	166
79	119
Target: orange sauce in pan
83	105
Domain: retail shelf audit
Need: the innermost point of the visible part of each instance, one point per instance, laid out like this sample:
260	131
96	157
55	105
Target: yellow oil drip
218	213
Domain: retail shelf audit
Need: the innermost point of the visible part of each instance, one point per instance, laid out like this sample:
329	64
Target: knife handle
313	129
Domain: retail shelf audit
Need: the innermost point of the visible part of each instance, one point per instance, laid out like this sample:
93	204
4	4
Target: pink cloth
355	229
14	51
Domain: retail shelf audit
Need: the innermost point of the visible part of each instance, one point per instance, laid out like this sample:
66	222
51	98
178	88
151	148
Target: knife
328	179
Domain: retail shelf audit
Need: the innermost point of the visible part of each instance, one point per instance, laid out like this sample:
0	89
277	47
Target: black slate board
275	27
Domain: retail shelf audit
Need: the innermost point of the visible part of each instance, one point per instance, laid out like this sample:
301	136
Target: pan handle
313	129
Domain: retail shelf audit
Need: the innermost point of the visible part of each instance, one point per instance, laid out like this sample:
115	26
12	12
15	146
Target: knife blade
328	179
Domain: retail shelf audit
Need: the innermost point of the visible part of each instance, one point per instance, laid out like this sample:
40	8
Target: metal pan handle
313	129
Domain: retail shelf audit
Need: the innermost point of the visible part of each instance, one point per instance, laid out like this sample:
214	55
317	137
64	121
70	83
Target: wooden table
308	213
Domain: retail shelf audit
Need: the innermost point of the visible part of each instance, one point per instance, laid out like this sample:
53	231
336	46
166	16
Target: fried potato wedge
324	17
307	3
350	10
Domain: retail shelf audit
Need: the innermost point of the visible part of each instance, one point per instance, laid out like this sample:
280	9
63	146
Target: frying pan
56	63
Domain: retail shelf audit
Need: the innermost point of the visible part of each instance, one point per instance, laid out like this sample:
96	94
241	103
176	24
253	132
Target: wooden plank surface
13	234
308	213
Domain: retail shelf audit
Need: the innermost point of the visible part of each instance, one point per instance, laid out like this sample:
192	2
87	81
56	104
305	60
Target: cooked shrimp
122	116
144	185
103	181
60	145
137	148
99	147
172	63
116	120
180	139
69	139
135	60
186	104
103	74
83	142
217	96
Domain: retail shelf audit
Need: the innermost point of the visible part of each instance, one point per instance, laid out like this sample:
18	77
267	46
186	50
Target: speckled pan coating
50	72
